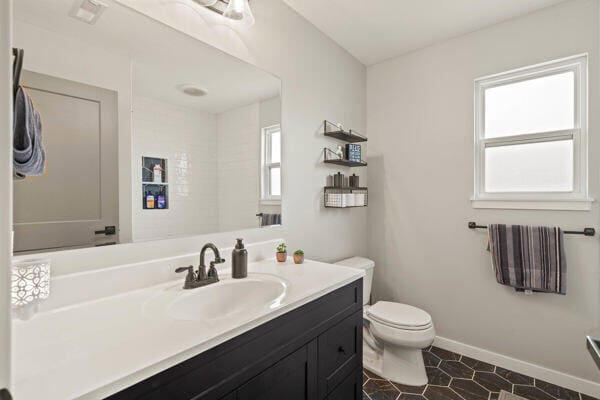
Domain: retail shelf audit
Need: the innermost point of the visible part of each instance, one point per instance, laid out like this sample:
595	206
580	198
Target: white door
76	198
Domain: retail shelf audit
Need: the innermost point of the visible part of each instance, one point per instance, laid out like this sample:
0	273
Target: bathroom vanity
313	352
286	332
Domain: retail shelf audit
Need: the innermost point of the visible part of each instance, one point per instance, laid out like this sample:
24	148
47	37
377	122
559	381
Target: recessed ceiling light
193	90
87	11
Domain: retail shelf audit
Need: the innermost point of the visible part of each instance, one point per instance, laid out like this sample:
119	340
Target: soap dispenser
239	261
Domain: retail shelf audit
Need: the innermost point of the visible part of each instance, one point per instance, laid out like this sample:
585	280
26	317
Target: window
271	165
531	137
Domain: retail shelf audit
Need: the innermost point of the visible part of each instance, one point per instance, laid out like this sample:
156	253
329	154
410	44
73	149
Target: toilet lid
399	315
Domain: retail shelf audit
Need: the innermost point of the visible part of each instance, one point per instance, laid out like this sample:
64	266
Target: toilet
393	334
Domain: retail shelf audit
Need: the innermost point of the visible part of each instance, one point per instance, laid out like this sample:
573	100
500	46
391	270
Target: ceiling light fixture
193	90
237	13
206	3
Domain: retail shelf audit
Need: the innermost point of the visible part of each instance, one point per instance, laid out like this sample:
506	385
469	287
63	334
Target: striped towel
530	258
270	219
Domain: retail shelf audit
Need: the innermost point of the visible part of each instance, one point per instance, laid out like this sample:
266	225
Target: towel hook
19	54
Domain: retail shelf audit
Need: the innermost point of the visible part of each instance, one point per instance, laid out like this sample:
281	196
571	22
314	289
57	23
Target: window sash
269	189
267	165
531	138
578	65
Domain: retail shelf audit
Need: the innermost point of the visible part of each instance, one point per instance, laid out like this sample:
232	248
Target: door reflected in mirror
148	133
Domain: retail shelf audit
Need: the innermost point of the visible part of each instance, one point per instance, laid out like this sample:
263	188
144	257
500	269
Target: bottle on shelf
161	203
149	200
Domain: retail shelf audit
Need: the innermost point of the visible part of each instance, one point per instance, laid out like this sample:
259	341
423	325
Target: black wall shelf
332	130
346	163
345	197
329	157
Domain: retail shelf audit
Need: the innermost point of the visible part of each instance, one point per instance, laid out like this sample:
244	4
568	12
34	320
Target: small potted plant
282	252
299	256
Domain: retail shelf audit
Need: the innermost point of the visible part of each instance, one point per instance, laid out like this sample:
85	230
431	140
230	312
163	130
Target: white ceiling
162	58
376	30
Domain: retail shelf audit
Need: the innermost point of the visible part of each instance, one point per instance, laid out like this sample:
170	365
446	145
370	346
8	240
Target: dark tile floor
456	377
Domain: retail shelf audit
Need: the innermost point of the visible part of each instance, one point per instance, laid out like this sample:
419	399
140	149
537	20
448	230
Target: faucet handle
190	272
189	278
183	269
212	271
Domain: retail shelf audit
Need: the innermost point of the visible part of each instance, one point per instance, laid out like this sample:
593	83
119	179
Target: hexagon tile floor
456	377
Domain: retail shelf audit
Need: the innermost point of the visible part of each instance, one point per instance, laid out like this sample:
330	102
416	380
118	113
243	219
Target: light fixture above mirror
206	3
236	12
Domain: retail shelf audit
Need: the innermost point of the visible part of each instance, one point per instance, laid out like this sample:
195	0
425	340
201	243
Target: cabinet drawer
339	353
350	388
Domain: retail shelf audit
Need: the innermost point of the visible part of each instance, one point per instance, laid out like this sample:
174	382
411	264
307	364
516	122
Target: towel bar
584	232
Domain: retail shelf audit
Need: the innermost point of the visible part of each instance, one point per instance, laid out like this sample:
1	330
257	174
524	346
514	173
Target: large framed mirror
147	133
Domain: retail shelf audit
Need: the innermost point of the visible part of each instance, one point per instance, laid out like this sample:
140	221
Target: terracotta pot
281	257
298	258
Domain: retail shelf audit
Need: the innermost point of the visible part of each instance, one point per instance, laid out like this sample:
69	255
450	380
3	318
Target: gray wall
420	123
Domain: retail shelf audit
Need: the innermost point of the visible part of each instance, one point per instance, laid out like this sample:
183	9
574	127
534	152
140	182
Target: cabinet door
340	353
350	388
293	378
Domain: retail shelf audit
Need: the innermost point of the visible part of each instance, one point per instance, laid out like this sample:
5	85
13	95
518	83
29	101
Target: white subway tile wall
239	167
187	138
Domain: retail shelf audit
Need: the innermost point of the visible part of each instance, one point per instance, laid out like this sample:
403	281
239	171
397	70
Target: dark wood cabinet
310	353
291	378
350	388
340	352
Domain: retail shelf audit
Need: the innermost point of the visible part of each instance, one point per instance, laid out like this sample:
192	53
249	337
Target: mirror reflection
141	140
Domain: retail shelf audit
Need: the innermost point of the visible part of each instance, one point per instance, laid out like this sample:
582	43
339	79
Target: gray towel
529	257
28	153
270	219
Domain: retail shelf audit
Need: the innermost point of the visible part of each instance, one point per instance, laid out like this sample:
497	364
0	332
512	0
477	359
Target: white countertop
93	349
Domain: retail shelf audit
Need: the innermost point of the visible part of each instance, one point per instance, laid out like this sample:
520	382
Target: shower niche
155	185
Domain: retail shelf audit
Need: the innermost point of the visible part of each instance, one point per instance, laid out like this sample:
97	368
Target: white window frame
578	199
266	166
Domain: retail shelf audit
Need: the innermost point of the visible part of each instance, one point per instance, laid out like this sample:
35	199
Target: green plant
299	252
282	248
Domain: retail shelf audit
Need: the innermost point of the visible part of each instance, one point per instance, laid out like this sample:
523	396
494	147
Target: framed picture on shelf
353	152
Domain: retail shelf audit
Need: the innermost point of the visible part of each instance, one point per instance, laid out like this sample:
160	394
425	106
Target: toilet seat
399	316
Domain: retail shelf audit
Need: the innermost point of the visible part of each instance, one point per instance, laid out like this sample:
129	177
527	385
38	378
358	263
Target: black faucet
202	278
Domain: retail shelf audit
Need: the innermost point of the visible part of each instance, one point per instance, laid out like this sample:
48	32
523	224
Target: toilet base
397	364
404	365
372	360
401	365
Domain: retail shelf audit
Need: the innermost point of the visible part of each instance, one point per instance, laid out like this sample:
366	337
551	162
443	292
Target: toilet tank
367	265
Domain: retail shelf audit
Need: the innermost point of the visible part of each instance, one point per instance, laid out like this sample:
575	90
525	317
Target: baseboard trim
558	378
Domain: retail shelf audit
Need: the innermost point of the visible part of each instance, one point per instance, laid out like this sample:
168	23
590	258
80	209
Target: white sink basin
225	299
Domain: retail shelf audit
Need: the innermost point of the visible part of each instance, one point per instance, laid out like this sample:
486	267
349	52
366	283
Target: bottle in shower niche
239	261
149	200
160	201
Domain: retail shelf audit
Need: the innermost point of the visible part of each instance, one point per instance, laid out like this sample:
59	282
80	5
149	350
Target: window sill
266	202
533	204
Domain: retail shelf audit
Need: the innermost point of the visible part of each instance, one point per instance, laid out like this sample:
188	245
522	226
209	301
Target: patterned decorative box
30	282
353	152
